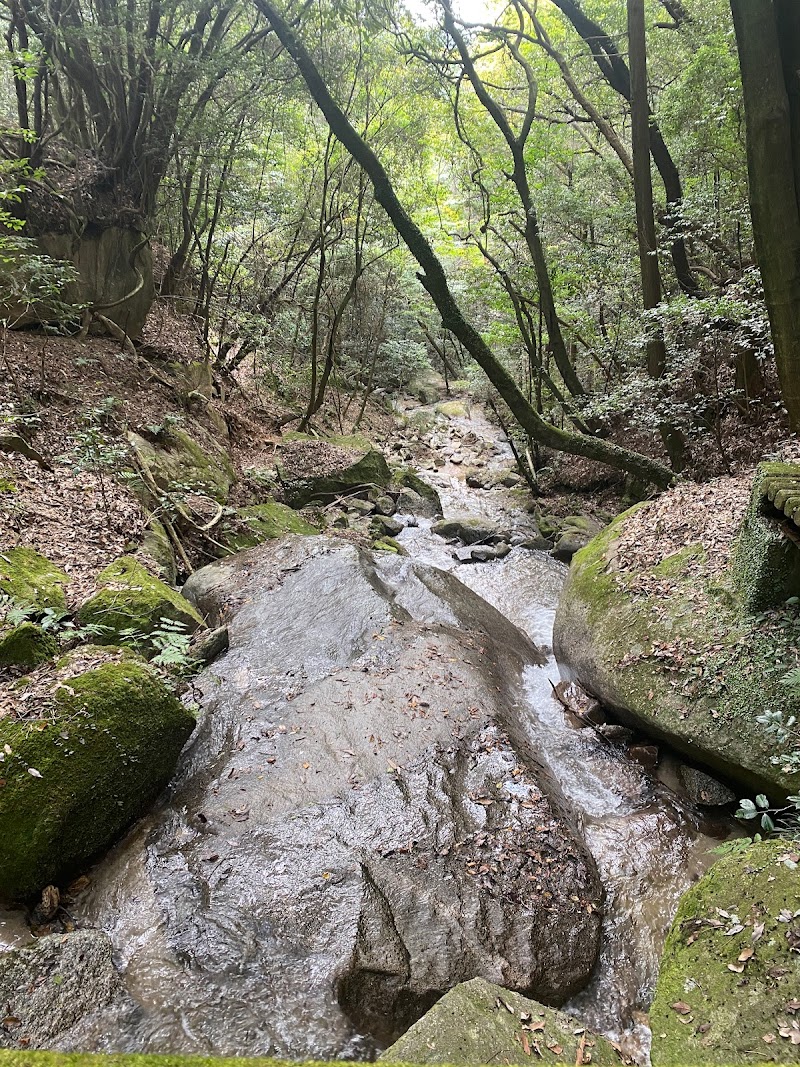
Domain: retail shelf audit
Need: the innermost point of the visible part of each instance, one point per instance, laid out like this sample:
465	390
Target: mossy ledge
730	970
692	667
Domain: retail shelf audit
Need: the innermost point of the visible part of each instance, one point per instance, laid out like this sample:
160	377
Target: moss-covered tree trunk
768	38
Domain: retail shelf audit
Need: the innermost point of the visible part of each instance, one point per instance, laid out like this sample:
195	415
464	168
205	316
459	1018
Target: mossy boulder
730	975
323	470
182	463
26	645
157	548
478	1022
471	529
766	563
30	579
407	478
105	743
130	598
679	656
452	409
262	522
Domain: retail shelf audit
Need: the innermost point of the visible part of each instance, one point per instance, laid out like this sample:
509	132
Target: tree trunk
435	282
772	171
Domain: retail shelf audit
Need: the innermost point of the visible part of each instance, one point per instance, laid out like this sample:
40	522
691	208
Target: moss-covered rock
158	550
79	774
130	598
30	579
180	462
323	470
453	409
730	975
690	665
26	645
766	563
477	1022
262	522
407	478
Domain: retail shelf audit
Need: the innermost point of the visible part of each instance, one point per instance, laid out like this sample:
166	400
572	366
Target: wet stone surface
359	823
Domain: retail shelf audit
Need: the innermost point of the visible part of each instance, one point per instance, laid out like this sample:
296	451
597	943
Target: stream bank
376	737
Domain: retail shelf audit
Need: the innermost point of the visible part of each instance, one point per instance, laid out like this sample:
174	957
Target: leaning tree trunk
767	37
435	281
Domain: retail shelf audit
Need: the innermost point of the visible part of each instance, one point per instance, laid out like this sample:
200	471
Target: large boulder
478	1022
83	757
359	824
766	563
471	529
667	642
130	604
413	494
311	469
253	525
730	976
49	987
30	580
178	462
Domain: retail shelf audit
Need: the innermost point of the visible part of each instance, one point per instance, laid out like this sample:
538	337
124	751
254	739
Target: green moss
26	645
30	579
360	466
131	598
388	544
30	1058
477	1022
732	1003
7	484
453	409
407	478
697	676
181	463
262	522
107	746
766	564
675	565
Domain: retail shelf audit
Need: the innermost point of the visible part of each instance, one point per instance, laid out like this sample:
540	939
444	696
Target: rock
129	598
102	746
612	731
253	525
703	789
457	459
386	543
646	755
470	529
13	444
479	479
363	507
453	409
485	553
405	478
367	841
341	522
178	461
157	548
729	980
568	543
30	580
512	480
537	543
478	1022
384	505
209	644
311	469
385	524
608	623
26	645
49	987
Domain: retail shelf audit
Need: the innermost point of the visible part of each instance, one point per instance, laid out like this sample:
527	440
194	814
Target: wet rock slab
357	826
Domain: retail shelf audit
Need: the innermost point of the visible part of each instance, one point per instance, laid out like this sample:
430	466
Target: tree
101	92
768	39
434	279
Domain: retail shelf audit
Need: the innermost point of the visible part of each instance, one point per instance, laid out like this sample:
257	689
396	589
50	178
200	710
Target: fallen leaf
737	968
34	773
745	955
681	1007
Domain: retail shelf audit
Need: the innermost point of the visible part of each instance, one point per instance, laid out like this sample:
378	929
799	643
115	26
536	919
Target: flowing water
649	843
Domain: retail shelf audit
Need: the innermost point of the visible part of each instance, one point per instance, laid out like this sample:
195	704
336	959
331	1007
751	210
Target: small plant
93	452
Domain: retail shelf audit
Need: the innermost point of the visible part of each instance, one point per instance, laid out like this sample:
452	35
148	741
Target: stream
341	841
